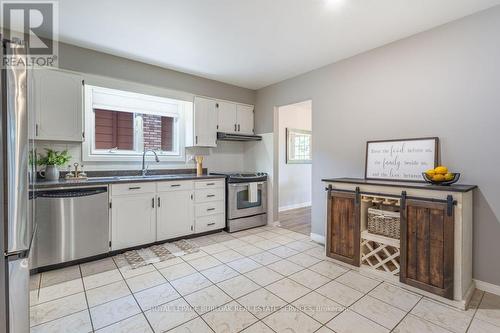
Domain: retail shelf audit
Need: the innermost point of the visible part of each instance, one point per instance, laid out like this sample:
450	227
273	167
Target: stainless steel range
246	205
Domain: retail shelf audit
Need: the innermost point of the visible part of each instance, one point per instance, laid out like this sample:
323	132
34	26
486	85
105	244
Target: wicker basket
383	222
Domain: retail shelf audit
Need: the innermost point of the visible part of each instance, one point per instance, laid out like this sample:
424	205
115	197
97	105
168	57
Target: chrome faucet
144	167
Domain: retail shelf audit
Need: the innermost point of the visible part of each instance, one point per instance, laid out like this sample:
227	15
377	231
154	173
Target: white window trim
89	154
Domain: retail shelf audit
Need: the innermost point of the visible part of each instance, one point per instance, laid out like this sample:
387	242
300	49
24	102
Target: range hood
237	137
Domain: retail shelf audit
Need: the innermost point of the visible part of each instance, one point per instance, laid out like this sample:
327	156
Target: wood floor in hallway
298	220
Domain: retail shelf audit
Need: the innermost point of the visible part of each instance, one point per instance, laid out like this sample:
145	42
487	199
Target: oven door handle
243	184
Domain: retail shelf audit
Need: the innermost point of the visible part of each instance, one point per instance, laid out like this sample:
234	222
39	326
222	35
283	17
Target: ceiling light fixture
334	4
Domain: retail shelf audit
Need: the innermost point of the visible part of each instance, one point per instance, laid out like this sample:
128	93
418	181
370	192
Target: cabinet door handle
238	127
210	209
159	202
235	127
210	184
210	224
196	139
153	203
36	130
134	188
210	195
175	185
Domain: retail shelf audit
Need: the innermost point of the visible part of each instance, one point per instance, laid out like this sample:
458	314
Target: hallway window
298	146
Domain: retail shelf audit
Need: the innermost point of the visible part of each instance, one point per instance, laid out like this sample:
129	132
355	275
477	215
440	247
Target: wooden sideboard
434	250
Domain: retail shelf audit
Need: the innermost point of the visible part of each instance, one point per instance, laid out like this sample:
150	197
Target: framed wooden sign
401	160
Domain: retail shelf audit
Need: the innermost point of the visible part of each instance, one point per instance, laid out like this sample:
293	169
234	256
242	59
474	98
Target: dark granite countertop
105	180
422	186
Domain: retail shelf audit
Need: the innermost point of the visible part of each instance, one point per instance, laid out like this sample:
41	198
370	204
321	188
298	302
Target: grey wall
444	82
92	62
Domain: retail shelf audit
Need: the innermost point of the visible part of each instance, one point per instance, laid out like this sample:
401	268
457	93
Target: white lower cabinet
175	214
133	220
144	213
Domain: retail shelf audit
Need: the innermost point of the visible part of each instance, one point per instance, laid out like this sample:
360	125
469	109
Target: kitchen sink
139	177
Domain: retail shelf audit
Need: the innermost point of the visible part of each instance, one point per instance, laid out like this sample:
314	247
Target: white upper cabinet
57	105
244	117
227	122
204	124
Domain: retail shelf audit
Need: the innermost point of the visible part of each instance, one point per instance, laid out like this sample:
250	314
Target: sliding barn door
343	227
427	246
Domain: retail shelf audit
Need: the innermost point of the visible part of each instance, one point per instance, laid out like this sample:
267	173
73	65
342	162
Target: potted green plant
52	160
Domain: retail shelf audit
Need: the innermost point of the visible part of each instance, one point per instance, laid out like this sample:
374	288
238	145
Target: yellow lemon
449	176
430	173
438	178
442	170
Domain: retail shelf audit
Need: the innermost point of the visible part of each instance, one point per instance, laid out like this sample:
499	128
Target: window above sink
120	125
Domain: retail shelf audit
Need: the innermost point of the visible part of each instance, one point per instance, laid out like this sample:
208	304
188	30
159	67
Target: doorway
295	166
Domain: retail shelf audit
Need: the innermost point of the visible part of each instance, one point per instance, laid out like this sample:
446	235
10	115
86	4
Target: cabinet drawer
175	185
208	223
208	195
133	188
209	208
211	183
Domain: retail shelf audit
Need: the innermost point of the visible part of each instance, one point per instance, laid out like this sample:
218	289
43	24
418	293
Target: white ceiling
250	43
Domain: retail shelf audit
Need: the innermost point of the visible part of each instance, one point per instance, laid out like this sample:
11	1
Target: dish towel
253	191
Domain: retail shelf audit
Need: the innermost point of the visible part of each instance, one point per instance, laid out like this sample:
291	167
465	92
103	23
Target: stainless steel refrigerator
17	223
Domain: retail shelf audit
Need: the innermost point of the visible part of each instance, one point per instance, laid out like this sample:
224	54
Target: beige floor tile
481	326
204	263
244	265
230	318
266	244
442	315
351	322
297	236
76	323
98	266
196	325
328	269
155	296
285	267
283	251
101	279
489	309
395	296
258	327
227	256
261	303
309	278
290	319
214	248
357	281
265	258
264	276
301	246
129	272
252	239
59	276
317	252
267	235
135	324
207	299
170	315
221	237
202	241
234	243
219	273
378	311
167	263
340	293
107	293
58	308
177	271
194	255
283	240
318	307
191	283
114	311
145	281
60	290
303	260
287	289
238	286
248	250
413	324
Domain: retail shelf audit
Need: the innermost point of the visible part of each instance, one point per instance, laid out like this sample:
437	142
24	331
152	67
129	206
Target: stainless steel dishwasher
73	223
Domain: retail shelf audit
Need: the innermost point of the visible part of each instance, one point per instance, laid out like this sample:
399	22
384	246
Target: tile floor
262	280
298	220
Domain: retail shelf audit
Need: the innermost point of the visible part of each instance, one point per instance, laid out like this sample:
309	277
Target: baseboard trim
290	207
488	287
318	238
